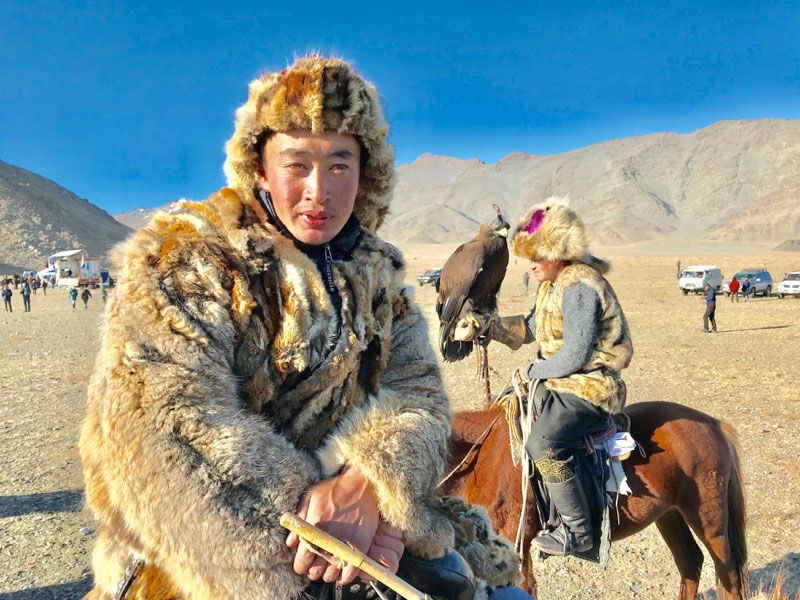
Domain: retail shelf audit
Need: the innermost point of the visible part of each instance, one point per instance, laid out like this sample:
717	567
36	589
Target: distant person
73	295
746	289
85	295
711	308
526	278
44	286
104	295
678	266
26	296
7	293
734	289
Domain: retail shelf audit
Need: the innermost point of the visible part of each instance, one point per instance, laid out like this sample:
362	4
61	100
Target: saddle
597	465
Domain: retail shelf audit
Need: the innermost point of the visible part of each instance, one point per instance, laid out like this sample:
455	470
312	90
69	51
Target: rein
513	405
469	452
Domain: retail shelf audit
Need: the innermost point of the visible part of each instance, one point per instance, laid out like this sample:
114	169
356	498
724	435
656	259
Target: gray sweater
582	312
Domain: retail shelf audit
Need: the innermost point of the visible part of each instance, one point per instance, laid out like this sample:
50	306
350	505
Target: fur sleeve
399	439
173	464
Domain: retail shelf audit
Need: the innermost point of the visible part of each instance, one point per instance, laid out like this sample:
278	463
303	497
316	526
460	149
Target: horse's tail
737	514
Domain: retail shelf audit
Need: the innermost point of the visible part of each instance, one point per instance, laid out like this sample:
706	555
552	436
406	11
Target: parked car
790	286
694	279
430	276
760	282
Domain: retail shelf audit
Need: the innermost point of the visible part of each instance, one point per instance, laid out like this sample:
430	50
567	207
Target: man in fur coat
584	342
262	355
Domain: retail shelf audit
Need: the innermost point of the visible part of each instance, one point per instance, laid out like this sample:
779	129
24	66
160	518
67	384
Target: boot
575	532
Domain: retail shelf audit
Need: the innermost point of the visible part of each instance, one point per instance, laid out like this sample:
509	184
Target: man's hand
346	507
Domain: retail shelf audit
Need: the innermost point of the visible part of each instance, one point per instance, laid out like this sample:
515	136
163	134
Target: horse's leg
685	551
718	518
711	521
710	525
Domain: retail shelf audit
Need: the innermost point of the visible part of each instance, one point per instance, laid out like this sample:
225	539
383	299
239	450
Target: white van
694	279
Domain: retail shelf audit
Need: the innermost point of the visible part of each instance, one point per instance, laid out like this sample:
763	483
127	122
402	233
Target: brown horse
688	480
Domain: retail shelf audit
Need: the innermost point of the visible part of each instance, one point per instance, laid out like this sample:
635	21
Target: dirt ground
746	374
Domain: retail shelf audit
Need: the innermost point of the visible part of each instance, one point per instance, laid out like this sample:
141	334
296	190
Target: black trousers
709	316
563	421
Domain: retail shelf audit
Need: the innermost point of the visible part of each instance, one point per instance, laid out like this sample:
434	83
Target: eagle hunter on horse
584	343
686	477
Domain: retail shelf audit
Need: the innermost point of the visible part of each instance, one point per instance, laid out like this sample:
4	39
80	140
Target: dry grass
775	588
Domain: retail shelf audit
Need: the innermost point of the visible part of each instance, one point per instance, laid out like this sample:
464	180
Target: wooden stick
350	555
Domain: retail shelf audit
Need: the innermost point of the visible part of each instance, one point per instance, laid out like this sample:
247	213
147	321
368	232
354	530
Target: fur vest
226	386
599	381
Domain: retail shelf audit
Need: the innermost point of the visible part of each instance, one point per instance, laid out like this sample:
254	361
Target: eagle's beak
502	231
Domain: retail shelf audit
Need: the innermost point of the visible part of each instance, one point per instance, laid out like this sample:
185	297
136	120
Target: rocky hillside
733	181
39	217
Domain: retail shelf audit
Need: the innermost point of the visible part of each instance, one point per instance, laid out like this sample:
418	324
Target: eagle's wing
455	282
487	283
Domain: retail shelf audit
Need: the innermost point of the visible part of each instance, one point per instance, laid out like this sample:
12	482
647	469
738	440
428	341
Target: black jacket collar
341	245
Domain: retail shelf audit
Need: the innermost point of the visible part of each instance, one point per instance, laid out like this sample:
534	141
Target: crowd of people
25	285
29	284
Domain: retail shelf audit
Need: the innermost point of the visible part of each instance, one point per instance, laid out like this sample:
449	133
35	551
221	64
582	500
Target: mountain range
734	182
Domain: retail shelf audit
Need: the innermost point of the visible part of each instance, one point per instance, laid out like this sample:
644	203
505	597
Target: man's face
545	270
313	180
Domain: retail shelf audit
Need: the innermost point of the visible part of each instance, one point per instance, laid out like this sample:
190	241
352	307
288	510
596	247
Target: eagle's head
499	225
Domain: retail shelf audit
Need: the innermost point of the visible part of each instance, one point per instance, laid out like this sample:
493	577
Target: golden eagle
468	285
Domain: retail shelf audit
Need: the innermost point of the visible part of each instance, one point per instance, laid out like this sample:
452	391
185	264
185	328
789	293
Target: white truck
790	286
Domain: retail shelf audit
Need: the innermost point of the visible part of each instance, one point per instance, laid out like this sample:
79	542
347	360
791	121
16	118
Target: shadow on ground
73	590
764	579
753	328
48	502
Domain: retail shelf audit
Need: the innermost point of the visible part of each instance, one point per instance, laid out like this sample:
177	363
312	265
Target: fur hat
552	231
320	95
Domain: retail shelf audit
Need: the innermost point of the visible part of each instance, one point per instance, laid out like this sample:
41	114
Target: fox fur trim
553	231
320	95
491	557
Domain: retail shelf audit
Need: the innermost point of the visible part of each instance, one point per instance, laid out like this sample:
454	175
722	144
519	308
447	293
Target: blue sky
129	104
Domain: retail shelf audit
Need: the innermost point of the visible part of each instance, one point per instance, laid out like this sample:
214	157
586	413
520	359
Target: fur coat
599	382
225	387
